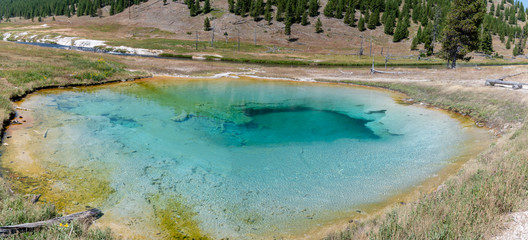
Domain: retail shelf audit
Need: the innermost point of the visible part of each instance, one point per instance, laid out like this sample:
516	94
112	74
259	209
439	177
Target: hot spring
237	158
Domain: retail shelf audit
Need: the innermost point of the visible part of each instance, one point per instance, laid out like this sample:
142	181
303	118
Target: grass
24	69
17	209
471	204
185	46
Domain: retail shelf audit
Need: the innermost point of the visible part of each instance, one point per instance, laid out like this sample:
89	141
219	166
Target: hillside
172	20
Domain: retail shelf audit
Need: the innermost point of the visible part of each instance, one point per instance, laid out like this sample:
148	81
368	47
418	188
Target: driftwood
23	109
373	71
93	213
515	85
513	75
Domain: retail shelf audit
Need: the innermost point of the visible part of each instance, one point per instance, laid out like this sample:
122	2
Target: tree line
30	9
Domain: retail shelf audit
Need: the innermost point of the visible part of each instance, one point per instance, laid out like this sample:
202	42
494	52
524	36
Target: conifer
361	24
318	26
207	7
313	8
304	19
207	24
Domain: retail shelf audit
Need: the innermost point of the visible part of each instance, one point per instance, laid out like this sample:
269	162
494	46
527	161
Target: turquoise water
248	158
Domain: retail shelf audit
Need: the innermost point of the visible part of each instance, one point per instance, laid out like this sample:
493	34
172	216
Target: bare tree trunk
361	48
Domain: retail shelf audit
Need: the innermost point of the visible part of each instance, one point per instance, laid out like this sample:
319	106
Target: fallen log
23	109
515	85
513	75
93	213
373	71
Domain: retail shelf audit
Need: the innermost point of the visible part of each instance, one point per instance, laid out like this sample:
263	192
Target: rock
35	198
182	117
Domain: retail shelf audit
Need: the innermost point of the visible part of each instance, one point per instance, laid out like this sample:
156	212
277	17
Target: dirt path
517	228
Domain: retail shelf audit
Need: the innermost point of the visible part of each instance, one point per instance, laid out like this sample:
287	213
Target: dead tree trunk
93	213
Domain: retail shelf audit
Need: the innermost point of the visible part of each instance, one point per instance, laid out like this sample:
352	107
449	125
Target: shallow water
229	158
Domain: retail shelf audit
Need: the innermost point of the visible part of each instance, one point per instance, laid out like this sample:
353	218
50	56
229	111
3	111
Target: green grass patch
103	27
185	46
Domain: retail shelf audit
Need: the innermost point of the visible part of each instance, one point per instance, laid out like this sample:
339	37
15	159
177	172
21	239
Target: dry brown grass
471	204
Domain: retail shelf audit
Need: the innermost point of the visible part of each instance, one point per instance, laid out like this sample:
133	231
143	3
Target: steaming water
246	158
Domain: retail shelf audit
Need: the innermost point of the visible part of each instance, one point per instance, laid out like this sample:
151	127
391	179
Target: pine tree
373	20
522	14
287	26
461	34
389	24
402	29
304	19
417	13
112	9
361	24
207	24
352	18
300	8
239	8
512	18
267	12
347	18
518	49
492	9
508	43
318	26
419	35
486	43
414	44
329	10
313	8
207	7
339	10
232	5
427	36
195	8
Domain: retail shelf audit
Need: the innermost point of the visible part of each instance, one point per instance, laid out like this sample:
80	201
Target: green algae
176	218
69	189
